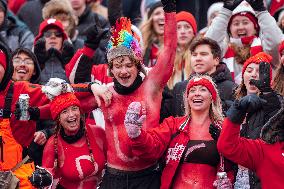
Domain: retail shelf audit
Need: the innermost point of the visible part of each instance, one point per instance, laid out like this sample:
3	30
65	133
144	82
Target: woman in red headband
191	157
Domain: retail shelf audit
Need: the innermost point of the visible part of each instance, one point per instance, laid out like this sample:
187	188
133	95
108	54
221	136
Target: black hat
152	7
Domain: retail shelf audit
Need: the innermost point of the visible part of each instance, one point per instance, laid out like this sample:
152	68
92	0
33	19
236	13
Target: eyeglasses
49	34
18	61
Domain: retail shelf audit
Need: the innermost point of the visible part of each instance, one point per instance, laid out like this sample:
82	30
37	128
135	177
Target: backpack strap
20	163
8	102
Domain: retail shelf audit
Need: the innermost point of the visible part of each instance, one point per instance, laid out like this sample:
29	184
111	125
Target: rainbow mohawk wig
123	41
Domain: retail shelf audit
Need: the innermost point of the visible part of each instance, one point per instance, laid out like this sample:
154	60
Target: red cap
188	17
3	59
62	102
204	82
258	58
51	22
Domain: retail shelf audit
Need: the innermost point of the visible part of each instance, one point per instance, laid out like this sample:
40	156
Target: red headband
204	82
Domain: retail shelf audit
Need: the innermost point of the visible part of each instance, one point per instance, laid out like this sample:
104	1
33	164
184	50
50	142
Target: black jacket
225	86
86	20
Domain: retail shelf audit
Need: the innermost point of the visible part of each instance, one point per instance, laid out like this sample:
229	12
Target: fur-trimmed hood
273	130
54	8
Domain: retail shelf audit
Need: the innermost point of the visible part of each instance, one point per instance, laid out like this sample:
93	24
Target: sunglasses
49	34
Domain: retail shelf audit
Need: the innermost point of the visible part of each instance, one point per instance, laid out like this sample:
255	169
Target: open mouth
21	71
126	78
197	101
242	34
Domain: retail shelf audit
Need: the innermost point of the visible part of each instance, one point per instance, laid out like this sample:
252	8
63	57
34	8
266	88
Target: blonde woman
192	159
152	29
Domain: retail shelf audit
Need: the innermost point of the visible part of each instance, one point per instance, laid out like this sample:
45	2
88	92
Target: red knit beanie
188	17
258	58
61	102
51	22
3	59
204	82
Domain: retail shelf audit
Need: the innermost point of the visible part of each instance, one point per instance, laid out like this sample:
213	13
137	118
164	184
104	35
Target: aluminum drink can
24	105
221	175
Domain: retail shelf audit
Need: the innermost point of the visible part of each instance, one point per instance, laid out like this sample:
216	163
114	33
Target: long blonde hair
182	58
148	33
215	111
278	84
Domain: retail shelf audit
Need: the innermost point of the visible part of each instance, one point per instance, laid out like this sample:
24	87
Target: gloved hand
231	4
214	131
41	178
40	51
67	51
34	112
134	118
263	84
257	5
94	35
169	5
248	104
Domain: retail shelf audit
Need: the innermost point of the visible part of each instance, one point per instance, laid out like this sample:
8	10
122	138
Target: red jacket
267	160
172	136
98	74
24	135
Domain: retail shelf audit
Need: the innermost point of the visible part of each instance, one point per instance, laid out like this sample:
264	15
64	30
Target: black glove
40	178
40	51
67	52
169	5
53	52
263	84
231	4
34	112
248	104
257	5
94	35
214	131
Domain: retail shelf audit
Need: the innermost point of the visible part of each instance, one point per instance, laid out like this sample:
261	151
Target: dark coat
31	14
86	20
15	33
225	86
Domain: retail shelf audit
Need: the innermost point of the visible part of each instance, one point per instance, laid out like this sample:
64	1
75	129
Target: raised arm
218	29
162	71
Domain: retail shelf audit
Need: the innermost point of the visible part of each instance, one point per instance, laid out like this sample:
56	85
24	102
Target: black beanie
152	7
28	52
